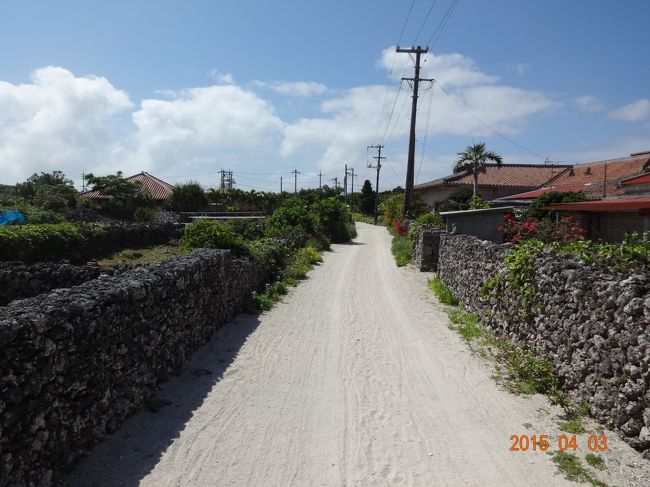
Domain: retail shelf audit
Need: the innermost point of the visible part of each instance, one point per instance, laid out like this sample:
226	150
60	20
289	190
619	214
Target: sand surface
354	379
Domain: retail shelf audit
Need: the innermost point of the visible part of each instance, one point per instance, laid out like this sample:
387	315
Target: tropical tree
474	160
367	198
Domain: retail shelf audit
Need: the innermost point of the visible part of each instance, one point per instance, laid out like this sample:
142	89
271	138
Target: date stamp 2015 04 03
563	443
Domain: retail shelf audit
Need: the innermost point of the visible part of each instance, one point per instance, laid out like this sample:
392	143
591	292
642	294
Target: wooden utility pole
410	166
378	166
295	180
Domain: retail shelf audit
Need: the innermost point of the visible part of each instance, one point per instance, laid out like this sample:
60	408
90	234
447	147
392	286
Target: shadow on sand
130	453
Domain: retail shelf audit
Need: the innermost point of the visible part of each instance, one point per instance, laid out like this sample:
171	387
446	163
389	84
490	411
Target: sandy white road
354	379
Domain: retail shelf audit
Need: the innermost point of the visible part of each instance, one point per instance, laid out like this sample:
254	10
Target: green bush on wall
210	234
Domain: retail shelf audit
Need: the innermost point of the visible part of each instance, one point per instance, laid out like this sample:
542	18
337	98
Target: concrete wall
612	227
74	363
483	224
592	321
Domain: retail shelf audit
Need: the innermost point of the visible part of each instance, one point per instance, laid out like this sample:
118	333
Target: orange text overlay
563	443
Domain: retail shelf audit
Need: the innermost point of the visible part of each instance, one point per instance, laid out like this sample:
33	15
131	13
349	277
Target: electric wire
392	66
424	22
426	130
491	129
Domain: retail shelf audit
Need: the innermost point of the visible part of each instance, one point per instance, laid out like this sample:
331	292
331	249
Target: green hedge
74	242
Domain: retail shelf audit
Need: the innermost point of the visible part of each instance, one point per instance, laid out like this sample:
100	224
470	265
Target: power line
493	130
443	23
433	4
426	130
406	22
390	74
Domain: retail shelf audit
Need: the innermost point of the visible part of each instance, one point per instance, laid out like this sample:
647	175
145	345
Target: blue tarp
11	218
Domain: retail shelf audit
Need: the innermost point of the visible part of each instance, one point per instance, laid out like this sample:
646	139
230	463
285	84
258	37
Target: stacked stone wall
591	320
74	363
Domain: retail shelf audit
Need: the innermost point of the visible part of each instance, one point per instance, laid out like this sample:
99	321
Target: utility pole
280	185
295	180
223	179
83	182
378	166
320	180
410	166
336	182
350	172
345	185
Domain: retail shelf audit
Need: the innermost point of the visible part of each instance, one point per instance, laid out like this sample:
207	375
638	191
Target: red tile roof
593	176
507	175
156	188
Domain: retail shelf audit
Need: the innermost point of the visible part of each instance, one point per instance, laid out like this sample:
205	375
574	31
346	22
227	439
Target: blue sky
182	89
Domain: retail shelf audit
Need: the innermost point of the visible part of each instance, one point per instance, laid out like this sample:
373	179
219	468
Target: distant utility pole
320	180
227	180
350	172
410	167
83	182
378	166
345	185
280	185
336	182
295	180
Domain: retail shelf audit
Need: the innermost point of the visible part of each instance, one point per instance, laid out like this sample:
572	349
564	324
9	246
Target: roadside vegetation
522	370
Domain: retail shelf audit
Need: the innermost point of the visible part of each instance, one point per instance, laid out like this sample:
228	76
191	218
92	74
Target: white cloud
589	103
450	70
304	89
636	111
61	121
222	78
58	121
216	123
349	121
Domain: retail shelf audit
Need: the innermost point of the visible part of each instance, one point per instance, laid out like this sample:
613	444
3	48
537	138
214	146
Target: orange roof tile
156	188
591	177
508	175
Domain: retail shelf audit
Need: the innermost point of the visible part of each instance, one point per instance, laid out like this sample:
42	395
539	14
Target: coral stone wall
19	280
74	363
593	321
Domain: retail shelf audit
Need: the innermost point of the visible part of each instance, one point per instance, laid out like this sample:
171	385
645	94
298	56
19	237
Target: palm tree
474	160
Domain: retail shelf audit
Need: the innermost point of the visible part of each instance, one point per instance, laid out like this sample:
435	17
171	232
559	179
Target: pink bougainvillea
566	230
401	228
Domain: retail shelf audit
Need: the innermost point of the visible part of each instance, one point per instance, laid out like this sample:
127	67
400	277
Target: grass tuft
595	461
442	292
570	466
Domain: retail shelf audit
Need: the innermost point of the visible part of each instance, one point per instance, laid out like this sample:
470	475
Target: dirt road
354	379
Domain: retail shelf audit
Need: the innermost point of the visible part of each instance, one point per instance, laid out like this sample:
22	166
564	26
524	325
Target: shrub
211	234
478	203
292	217
333	219
400	228
401	249
567	230
393	208
188	197
40	242
145	214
